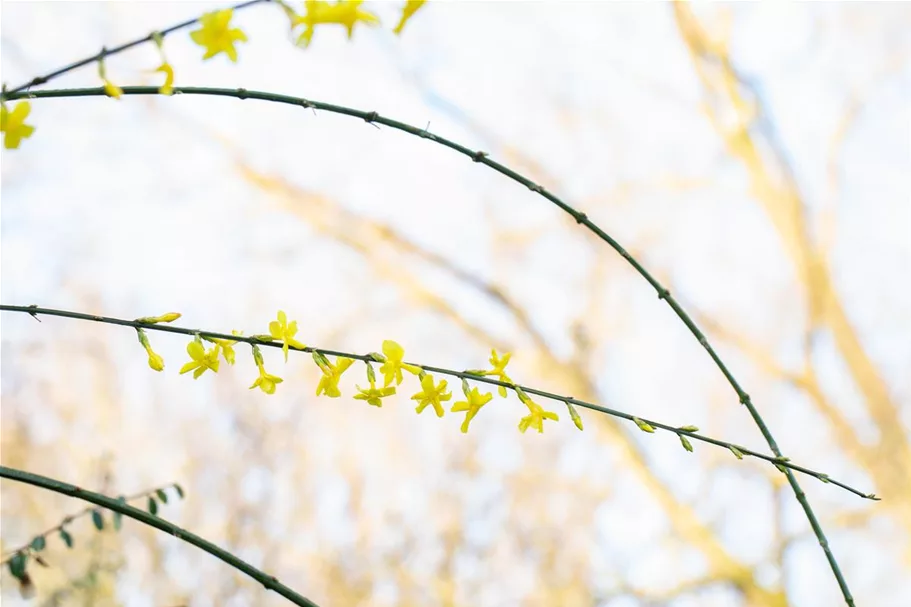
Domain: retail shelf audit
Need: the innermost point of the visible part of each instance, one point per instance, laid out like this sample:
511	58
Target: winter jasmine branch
101	55
684	433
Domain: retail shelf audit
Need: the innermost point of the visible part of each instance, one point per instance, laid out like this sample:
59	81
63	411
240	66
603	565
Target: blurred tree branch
734	108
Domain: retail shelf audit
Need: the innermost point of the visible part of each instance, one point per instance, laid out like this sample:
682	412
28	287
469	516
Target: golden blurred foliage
678	136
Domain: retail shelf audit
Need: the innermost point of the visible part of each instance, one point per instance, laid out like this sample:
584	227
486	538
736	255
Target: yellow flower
328	383
374	394
499	366
266	381
285	331
227	346
156	362
216	36
474	403
535	419
168	87
411	7
201	359
341	12
12	124
392	367
431	395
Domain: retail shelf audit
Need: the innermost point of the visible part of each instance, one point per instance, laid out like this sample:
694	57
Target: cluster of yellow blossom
432	394
216	36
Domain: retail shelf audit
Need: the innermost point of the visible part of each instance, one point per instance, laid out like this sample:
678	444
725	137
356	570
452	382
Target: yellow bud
156	361
112	89
686	443
151	320
643	425
577	420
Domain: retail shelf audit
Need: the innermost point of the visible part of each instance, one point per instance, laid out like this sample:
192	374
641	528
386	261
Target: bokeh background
755	157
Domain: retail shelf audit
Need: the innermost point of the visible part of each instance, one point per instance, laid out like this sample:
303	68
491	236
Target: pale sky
136	207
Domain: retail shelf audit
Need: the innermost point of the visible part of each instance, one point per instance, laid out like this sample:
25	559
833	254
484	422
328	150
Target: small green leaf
66	537
466	389
371	376
153	506
781	468
17	565
179	490
97	520
38	543
689	428
422	374
644	426
377	357
824	478
480	372
737	452
686	443
162	496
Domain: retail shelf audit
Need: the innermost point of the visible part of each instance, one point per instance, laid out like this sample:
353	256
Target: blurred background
754	157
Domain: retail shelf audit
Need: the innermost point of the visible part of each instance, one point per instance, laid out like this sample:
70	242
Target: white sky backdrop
132	207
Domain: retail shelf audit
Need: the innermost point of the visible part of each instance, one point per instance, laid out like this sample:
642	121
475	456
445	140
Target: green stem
159	523
104	53
69	519
167	328
580	218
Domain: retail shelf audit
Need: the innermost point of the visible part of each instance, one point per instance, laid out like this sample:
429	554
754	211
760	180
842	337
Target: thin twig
72	517
104	53
781	463
270	582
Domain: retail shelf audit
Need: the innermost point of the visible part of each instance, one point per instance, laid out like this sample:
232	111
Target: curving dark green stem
270	582
782	464
580	218
107	52
70	518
